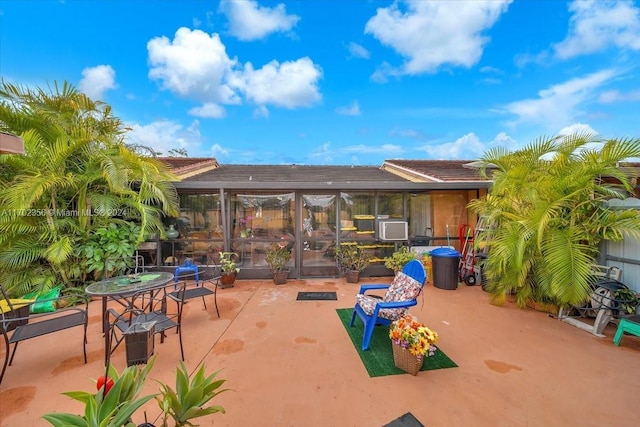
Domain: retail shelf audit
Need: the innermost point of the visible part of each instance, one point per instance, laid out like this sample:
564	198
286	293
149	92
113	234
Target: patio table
121	288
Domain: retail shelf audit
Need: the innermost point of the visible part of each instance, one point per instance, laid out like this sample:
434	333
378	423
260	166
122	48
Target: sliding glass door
317	231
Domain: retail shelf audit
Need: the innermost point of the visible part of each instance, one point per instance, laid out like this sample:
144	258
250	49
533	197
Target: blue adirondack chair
401	294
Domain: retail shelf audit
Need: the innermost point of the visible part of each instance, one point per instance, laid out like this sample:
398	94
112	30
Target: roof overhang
200	186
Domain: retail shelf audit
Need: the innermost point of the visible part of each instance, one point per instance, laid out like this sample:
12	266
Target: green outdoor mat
378	360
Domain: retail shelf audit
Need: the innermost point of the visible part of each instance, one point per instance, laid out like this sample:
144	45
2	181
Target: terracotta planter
228	279
353	276
280	277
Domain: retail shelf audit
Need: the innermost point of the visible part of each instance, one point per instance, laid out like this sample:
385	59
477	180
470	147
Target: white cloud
430	34
559	105
164	135
351	110
406	133
384	71
358	51
489	69
503	140
466	147
387	149
577	128
290	84
612	96
208	110
97	80
250	21
194	65
323	152
218	150
261	112
596	25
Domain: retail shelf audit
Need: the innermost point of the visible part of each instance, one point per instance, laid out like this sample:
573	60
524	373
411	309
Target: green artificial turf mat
378	360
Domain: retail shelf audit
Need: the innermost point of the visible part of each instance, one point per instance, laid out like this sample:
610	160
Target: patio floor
291	363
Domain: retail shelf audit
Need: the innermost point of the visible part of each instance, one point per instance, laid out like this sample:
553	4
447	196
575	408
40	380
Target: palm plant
548	214
76	176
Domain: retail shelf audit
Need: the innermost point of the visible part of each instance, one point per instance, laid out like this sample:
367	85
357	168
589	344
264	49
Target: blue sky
337	82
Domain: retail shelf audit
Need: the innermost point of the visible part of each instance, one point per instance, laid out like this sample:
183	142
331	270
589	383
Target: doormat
378	360
314	296
406	420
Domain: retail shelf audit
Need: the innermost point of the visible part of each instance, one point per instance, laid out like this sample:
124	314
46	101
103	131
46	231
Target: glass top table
122	286
119	288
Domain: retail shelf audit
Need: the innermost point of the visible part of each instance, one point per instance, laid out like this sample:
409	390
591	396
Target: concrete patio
291	363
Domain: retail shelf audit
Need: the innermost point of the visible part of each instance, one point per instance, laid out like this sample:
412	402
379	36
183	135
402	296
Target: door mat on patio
311	296
406	420
378	360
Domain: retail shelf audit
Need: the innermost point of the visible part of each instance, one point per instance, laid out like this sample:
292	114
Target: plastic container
445	263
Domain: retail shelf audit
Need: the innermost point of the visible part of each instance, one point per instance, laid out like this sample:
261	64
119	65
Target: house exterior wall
253	219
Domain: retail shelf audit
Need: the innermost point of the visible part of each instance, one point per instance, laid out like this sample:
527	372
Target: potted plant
398	259
117	399
412	342
229	267
277	257
351	260
627	300
189	398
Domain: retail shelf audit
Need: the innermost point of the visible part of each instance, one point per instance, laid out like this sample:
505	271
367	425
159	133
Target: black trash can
445	268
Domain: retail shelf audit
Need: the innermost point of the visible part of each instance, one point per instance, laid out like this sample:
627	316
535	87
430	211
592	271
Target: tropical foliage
77	176
116	400
548	215
277	256
352	258
189	399
399	258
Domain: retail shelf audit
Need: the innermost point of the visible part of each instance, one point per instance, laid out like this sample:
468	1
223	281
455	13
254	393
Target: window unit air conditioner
393	230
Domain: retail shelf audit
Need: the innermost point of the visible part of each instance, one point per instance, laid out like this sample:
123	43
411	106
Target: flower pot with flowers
412	342
245	227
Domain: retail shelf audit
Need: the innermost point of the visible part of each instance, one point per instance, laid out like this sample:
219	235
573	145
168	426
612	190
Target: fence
625	254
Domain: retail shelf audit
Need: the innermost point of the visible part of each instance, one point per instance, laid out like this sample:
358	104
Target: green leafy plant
109	249
114	403
548	214
75	176
189	397
352	258
228	262
117	398
277	256
627	299
399	258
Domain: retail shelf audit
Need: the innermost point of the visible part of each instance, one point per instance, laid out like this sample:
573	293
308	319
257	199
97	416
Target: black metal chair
148	307
208	283
18	324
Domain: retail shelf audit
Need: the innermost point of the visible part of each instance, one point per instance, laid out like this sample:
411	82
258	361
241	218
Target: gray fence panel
625	254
